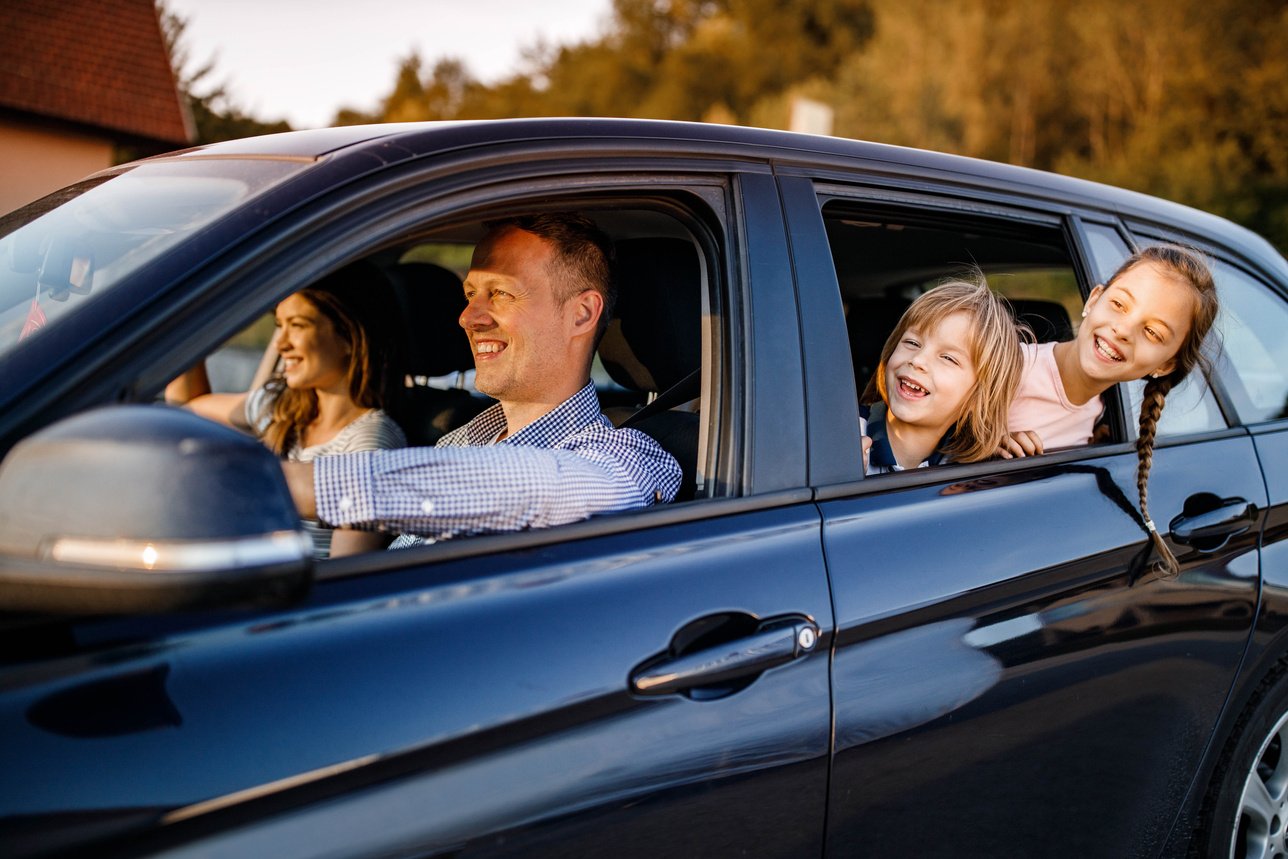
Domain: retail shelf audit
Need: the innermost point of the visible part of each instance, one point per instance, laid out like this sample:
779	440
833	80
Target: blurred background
1185	99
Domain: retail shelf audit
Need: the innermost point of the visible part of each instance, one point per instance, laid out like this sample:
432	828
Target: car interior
647	370
886	257
649	366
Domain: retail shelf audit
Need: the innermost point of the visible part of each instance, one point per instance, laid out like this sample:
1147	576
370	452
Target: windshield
59	252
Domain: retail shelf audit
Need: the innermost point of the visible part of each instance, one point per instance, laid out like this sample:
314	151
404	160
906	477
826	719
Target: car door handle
1232	517
729	661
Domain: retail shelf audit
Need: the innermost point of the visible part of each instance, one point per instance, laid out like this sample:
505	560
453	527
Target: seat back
869	321
1048	319
655	339
431	300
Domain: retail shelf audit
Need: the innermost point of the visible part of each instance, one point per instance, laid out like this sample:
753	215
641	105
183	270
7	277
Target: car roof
389	143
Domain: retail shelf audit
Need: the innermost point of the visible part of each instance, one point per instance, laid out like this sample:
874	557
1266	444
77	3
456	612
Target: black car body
994	672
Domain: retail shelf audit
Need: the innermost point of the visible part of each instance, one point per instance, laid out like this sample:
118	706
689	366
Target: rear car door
1253	373
643	683
1008	678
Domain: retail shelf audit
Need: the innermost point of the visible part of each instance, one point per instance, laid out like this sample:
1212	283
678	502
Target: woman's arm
192	389
347	541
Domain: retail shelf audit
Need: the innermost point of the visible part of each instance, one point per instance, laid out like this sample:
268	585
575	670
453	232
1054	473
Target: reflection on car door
1006	677
482	703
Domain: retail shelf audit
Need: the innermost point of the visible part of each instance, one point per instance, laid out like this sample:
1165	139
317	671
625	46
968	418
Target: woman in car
335	381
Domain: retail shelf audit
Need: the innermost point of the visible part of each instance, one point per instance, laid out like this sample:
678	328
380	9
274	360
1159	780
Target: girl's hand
867	446
1020	444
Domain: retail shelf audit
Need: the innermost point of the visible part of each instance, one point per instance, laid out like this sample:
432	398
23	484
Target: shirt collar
570	416
881	454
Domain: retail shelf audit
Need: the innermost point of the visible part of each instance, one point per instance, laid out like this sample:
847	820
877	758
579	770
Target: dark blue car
790	660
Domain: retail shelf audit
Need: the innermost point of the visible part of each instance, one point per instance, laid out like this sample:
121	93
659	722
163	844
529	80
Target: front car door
631	685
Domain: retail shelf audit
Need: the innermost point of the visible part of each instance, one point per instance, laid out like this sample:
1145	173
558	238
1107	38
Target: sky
301	60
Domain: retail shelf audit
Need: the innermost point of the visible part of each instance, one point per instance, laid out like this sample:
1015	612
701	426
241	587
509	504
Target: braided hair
1188	267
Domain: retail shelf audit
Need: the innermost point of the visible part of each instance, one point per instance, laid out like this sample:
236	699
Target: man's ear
588	306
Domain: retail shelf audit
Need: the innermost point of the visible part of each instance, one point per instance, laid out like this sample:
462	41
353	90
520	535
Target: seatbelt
688	388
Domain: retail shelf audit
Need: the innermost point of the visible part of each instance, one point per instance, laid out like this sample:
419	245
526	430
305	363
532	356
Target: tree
679	59
1186	99
214	114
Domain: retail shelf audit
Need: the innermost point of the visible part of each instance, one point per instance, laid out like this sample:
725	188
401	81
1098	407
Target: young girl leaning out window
946	377
1149	321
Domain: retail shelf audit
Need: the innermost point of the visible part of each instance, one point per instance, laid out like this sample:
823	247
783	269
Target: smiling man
540	295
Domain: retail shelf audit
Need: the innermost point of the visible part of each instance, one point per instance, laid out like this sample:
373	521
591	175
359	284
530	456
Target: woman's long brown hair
358	301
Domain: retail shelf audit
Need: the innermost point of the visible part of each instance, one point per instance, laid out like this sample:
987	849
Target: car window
1252	325
663	335
232	366
1105	249
59	252
885	259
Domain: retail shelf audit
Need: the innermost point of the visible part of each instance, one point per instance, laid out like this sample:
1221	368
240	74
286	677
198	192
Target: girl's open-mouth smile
911	390
1108	352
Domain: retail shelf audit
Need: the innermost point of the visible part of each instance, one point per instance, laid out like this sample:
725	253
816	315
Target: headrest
655	338
431	302
1048	319
869	320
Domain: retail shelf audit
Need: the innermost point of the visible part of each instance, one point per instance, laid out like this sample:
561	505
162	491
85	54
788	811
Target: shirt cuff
342	488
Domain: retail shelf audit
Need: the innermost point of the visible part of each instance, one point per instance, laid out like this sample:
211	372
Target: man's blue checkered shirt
567	465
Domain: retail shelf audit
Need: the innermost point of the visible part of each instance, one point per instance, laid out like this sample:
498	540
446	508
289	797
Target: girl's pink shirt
1041	406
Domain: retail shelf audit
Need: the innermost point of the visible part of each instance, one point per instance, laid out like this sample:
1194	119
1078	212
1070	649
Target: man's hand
299	479
1019	444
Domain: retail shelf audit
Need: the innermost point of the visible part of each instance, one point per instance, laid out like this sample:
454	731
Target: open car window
885	258
661	342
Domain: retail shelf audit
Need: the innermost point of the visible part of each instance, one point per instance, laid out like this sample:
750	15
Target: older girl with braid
1149	321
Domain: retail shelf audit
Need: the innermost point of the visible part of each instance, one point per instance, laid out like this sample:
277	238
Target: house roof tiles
101	63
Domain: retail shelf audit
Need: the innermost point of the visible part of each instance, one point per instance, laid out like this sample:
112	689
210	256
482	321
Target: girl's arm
1020	444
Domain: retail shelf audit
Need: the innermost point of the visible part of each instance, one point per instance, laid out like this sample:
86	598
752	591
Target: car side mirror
137	508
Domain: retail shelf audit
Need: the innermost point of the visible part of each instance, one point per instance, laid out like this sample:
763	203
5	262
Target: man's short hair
583	255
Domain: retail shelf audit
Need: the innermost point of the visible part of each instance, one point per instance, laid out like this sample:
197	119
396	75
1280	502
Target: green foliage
454	257
680	59
1184	99
214	114
256	336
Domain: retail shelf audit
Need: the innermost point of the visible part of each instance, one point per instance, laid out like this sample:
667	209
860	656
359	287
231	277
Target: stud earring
1084	313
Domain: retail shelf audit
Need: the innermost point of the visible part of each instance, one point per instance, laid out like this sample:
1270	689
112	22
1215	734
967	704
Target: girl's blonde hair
1187	267
994	351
